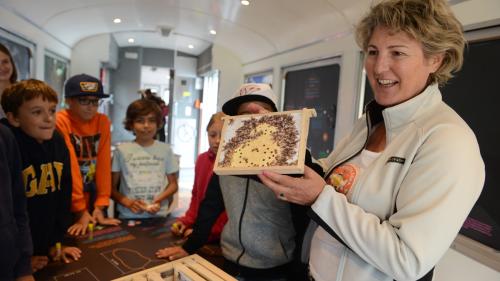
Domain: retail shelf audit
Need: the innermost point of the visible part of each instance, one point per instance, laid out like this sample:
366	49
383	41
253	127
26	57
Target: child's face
254	107
145	127
36	118
83	107
214	133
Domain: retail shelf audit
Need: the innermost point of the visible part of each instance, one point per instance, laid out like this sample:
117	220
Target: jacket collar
403	113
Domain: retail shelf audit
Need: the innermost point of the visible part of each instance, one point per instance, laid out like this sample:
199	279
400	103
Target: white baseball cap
250	92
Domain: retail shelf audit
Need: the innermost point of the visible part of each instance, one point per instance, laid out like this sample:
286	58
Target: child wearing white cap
261	238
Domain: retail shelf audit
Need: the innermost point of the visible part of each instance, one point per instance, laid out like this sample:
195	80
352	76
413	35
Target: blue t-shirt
143	174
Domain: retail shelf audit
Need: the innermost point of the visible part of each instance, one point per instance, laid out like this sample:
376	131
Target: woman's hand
171	253
303	191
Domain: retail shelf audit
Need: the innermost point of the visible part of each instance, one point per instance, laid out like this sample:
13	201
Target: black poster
475	96
315	88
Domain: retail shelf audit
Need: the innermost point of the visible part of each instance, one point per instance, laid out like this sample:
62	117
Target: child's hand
153	208
171	253
99	217
67	253
80	227
39	262
178	228
135	205
188	232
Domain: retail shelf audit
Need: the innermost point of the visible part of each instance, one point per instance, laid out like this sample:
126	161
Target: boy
14	228
30	107
145	168
261	237
87	136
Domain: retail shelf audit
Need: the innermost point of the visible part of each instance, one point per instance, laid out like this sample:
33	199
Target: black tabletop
114	251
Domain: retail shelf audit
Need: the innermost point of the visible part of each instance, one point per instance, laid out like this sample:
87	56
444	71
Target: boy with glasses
87	135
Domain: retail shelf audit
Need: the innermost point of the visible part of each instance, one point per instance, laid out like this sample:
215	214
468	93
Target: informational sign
315	88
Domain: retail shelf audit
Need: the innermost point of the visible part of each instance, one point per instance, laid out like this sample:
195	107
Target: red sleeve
197	195
103	165
217	228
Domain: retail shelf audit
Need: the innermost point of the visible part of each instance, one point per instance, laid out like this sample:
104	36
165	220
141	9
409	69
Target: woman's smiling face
396	66
6	67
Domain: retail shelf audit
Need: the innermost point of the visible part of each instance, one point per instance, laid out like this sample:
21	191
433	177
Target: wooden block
154	276
219	272
202	271
274	142
183	273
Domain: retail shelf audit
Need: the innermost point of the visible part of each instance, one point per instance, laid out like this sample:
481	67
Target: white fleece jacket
409	204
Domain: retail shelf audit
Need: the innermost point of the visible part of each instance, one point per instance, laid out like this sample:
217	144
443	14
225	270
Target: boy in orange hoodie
87	135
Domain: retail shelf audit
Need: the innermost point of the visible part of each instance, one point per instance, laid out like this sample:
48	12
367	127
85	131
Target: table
117	251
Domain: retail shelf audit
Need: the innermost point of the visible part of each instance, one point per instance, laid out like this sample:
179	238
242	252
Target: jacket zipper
368	124
241	221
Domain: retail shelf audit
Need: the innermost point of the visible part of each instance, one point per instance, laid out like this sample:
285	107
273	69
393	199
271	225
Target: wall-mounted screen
315	87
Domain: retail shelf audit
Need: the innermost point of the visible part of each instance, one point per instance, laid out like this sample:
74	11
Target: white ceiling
262	29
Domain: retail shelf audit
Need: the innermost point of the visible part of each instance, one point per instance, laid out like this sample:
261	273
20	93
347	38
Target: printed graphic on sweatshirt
48	179
342	178
86	151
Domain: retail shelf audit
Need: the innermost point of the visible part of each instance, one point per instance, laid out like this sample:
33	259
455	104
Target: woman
399	187
8	72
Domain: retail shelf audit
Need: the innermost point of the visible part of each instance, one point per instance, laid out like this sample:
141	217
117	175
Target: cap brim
101	96
231	106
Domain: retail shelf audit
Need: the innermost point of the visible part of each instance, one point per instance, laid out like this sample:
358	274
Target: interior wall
18	26
126	81
349	74
230	75
89	54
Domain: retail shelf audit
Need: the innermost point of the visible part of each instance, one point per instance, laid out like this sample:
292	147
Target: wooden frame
193	268
274	142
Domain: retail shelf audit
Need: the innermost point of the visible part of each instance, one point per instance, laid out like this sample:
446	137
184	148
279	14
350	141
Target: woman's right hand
171	253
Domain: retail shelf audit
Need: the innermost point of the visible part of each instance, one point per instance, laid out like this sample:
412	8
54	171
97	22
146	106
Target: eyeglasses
86	101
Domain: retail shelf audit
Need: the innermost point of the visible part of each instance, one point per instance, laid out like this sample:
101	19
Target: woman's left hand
303	191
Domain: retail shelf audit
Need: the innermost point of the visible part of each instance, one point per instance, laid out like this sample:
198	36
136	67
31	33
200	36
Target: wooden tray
253	143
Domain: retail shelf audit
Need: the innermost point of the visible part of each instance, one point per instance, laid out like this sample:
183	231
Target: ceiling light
190	46
131	40
117	20
245	2
213	32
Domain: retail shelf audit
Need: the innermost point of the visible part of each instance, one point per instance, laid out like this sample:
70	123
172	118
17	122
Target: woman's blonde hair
216	117
430	22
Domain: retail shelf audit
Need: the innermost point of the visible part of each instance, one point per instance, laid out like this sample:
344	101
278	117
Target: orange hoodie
89	145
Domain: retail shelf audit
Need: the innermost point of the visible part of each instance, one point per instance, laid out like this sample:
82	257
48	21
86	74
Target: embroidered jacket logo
396	159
